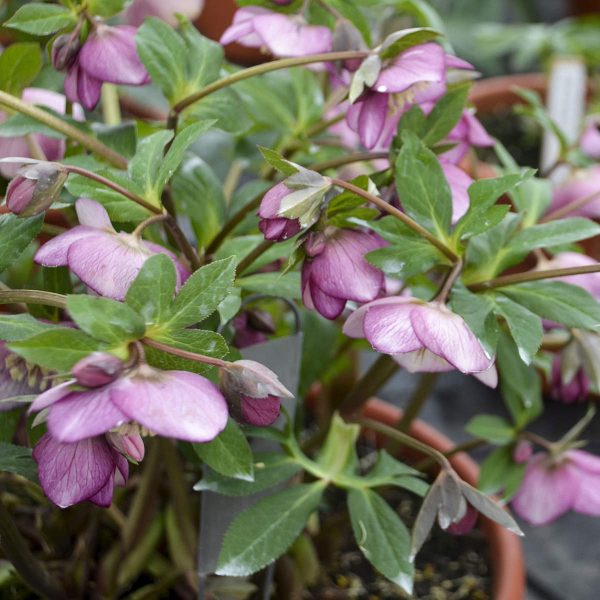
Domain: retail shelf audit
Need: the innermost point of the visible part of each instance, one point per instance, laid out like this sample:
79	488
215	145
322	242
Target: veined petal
103	497
371	118
242	28
447	335
71	473
422	361
49	397
82	87
92	214
354	325
260	412
328	306
83	415
546	492
389	329
55	251
175	404
459	183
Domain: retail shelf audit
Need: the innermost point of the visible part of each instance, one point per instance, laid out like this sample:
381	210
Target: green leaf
270	469
500	473
286	285
279	163
174	156
558	301
19	65
204	57
19	327
389	471
163	53
58	348
105	319
445	114
352	12
202	293
264	532
492	428
15	235
524	326
229	453
152	291
41	19
422	187
122	137
17	459
224	108
106	8
338	453
381	536
414	256
401	40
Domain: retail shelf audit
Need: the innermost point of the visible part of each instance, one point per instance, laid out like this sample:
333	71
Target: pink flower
53	148
251	327
584	183
421	336
108	55
85	470
272	225
163	9
571	390
590	282
467	132
336	271
103	259
590	139
552	486
97	369
459	183
281	35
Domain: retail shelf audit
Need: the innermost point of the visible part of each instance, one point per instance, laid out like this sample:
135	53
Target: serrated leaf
57	349
19	65
492	428
381	536
152	291
414	256
41	19
19	327
286	285
15	236
105	319
202	293
229	453
264	532
270	468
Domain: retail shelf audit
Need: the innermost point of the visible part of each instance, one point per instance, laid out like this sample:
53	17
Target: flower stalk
201	358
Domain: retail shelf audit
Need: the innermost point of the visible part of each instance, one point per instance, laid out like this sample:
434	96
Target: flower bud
570	387
131	445
64	51
34	189
260	412
465	524
522	452
97	369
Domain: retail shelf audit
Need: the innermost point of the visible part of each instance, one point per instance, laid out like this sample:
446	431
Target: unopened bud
97	369
130	446
522	452
64	51
465	524
250	378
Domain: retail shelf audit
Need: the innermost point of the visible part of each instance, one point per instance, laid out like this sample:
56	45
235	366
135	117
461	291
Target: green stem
33	297
201	358
449	282
31	570
415	404
111	110
427	463
90	143
392	210
137	232
405	440
348	159
505	280
375	377
274	65
253	255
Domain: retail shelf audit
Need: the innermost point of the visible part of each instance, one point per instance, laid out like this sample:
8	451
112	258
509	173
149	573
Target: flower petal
71	473
83	415
422	361
459	183
389	329
54	252
175	404
260	412
354	325
372	118
92	214
49	397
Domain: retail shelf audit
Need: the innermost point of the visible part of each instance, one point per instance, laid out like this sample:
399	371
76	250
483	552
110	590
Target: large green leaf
492	428
229	453
20	327
19	65
500	473
264	532
381	536
41	19
15	236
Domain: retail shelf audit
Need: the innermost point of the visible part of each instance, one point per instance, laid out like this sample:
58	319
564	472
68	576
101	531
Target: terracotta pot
216	16
584	7
506	551
496	93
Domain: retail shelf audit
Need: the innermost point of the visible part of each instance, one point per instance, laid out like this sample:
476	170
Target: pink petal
459	183
423	63
54	253
389	329
49	397
175	404
488	377
260	412
42	97
422	361
354	325
546	493
372	118
82	87
271	201
92	214
454	62
71	473
83	415
588	281
242	28
590	140
182	271
110	54
103	498
166	10
584	461
447	335
315	298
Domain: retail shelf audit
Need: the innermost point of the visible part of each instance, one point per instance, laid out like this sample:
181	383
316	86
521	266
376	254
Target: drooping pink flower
459	183
53	148
97	369
569	391
103	259
554	485
273	226
108	55
163	9
175	404
584	184
88	469
281	35
336	270
468	132
421	336
589	142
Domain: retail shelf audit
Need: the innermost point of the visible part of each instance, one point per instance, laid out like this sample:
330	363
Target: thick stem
201	358
33	297
90	143
392	210
505	280
113	186
111	109
32	571
449	282
375	377
137	232
253	255
274	65
405	440
417	401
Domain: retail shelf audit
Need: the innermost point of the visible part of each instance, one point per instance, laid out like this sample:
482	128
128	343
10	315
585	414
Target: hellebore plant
145	345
